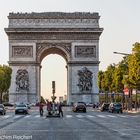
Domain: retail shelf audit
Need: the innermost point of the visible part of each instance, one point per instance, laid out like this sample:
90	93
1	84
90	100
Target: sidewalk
133	111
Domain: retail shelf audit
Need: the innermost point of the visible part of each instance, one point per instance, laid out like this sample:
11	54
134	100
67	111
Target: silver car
21	108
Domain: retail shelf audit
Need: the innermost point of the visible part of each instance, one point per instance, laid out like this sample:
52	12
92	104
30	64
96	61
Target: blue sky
119	18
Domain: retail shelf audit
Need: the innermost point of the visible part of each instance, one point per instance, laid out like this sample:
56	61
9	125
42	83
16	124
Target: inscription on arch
85	51
22	51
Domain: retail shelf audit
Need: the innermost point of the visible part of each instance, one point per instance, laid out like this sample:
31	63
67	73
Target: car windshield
21	105
80	104
118	105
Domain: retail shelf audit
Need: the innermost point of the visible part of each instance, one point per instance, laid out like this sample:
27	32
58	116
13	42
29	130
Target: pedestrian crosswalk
69	116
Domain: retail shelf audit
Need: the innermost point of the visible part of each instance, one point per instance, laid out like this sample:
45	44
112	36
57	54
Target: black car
2	109
104	107
79	107
115	107
21	108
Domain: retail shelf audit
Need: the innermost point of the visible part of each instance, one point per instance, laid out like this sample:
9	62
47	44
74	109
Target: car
21	108
115	107
105	107
2	109
8	104
79	107
89	104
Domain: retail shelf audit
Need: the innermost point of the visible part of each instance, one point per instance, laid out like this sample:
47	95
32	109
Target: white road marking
37	116
79	116
90	116
111	116
15	117
27	116
6	116
69	116
101	116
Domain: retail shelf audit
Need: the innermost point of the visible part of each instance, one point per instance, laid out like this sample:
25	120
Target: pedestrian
60	109
49	107
41	108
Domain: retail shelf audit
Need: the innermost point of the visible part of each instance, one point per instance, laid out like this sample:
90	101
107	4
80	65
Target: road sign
126	91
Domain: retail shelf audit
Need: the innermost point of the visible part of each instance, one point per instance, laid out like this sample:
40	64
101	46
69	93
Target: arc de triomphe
74	36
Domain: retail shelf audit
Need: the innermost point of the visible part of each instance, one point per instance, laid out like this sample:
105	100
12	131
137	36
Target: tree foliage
105	79
42	100
100	80
5	79
118	77
134	67
126	72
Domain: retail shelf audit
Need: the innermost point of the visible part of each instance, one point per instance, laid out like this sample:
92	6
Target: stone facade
74	36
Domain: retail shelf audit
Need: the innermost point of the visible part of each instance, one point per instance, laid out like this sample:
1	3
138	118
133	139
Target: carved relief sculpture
22	80
85	80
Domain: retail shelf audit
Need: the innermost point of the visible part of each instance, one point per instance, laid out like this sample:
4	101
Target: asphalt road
93	125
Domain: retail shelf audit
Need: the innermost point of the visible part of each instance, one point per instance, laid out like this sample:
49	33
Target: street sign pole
53	91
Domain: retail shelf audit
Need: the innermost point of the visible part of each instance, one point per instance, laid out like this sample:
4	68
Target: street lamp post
130	93
121	53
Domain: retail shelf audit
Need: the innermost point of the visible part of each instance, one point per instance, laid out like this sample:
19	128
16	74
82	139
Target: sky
119	18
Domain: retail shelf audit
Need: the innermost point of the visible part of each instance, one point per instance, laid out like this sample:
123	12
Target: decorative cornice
25	63
55	15
84	63
54	36
29	30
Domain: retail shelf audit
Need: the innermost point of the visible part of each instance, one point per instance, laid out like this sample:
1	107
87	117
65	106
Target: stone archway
74	36
46	49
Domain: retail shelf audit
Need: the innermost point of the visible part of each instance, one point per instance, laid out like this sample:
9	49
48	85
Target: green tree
100	80
42	100
134	67
118	75
5	80
109	77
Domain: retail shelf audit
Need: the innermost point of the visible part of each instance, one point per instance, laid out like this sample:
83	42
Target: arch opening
53	68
